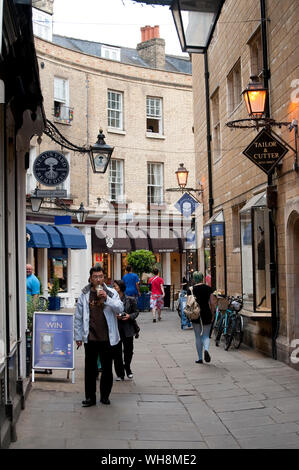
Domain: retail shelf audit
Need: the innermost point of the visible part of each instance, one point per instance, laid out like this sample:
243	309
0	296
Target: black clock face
51	168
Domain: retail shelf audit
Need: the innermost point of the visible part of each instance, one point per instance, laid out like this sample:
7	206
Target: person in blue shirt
131	281
33	284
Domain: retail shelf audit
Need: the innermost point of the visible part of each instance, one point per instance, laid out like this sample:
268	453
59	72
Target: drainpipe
210	175
273	268
87	137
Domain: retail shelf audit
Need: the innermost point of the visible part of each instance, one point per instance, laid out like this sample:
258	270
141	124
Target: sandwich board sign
53	341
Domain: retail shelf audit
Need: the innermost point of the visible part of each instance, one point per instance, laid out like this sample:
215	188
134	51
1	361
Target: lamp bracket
188	191
54	134
255	123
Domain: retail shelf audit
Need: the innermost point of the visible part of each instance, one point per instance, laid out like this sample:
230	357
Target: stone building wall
235	178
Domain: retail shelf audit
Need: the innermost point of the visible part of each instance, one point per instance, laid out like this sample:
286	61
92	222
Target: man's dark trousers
92	350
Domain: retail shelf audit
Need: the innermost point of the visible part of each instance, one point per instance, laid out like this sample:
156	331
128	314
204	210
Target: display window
214	252
58	267
106	261
255	250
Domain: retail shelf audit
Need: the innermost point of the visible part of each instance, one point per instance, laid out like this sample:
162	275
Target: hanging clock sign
51	168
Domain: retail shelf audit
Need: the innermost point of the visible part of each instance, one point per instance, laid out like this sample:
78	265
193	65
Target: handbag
192	308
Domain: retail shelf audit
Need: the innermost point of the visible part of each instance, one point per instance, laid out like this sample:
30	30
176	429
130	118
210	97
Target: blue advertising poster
53	341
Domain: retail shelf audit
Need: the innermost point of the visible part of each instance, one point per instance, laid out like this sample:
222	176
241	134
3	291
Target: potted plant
54	300
142	261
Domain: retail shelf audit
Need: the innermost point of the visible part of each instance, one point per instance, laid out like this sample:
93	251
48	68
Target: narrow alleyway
240	400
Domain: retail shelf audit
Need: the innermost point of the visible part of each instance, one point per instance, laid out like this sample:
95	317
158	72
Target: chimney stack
152	48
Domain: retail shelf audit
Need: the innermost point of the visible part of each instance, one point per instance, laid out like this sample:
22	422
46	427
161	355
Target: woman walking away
128	328
207	302
157	295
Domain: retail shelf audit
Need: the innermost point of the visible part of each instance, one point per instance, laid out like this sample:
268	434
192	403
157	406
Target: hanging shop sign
51	168
186	205
265	151
53	341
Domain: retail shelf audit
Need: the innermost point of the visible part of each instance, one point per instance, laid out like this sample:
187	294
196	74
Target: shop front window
214	252
255	249
105	260
58	267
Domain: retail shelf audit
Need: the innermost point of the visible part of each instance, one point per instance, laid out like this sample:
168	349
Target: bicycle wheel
218	330
238	336
230	332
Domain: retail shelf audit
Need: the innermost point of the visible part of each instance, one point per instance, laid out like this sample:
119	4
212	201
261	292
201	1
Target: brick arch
292	271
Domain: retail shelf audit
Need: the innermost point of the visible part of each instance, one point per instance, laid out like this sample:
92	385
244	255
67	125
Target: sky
116	22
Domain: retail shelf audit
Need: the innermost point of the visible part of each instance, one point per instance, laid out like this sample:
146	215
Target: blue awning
53	236
71	237
36	237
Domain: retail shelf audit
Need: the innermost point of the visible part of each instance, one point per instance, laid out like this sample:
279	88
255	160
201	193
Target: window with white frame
115	109
216	142
108	52
61	99
256	54
154	115
116	180
42	24
234	87
155	183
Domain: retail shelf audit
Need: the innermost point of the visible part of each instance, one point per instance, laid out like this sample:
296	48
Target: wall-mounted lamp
182	179
255	98
36	202
100	154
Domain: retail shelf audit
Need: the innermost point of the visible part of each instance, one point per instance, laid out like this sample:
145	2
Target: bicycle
219	321
234	328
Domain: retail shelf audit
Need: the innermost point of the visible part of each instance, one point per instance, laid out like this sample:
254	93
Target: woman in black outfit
128	328
207	302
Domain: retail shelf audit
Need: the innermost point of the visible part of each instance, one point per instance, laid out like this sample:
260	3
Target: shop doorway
175	270
292	279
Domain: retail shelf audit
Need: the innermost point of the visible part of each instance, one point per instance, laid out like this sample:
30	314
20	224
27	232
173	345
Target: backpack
192	309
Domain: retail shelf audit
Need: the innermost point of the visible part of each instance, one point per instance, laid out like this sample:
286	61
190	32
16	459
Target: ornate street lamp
100	154
195	22
81	214
255	97
182	176
36	201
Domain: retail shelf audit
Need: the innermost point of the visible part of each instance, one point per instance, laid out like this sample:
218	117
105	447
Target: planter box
144	302
54	303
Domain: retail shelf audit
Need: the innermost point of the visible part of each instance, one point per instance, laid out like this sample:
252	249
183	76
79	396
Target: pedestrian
128	328
157	294
131	281
207	302
96	326
33	284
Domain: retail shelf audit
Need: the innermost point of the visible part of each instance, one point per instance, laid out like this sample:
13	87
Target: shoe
137	335
159	319
154	320
118	379
129	373
207	356
88	402
199	361
105	401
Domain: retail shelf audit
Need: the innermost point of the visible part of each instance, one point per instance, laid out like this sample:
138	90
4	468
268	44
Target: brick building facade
239	186
142	99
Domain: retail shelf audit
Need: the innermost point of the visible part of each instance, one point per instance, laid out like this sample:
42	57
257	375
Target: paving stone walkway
242	399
